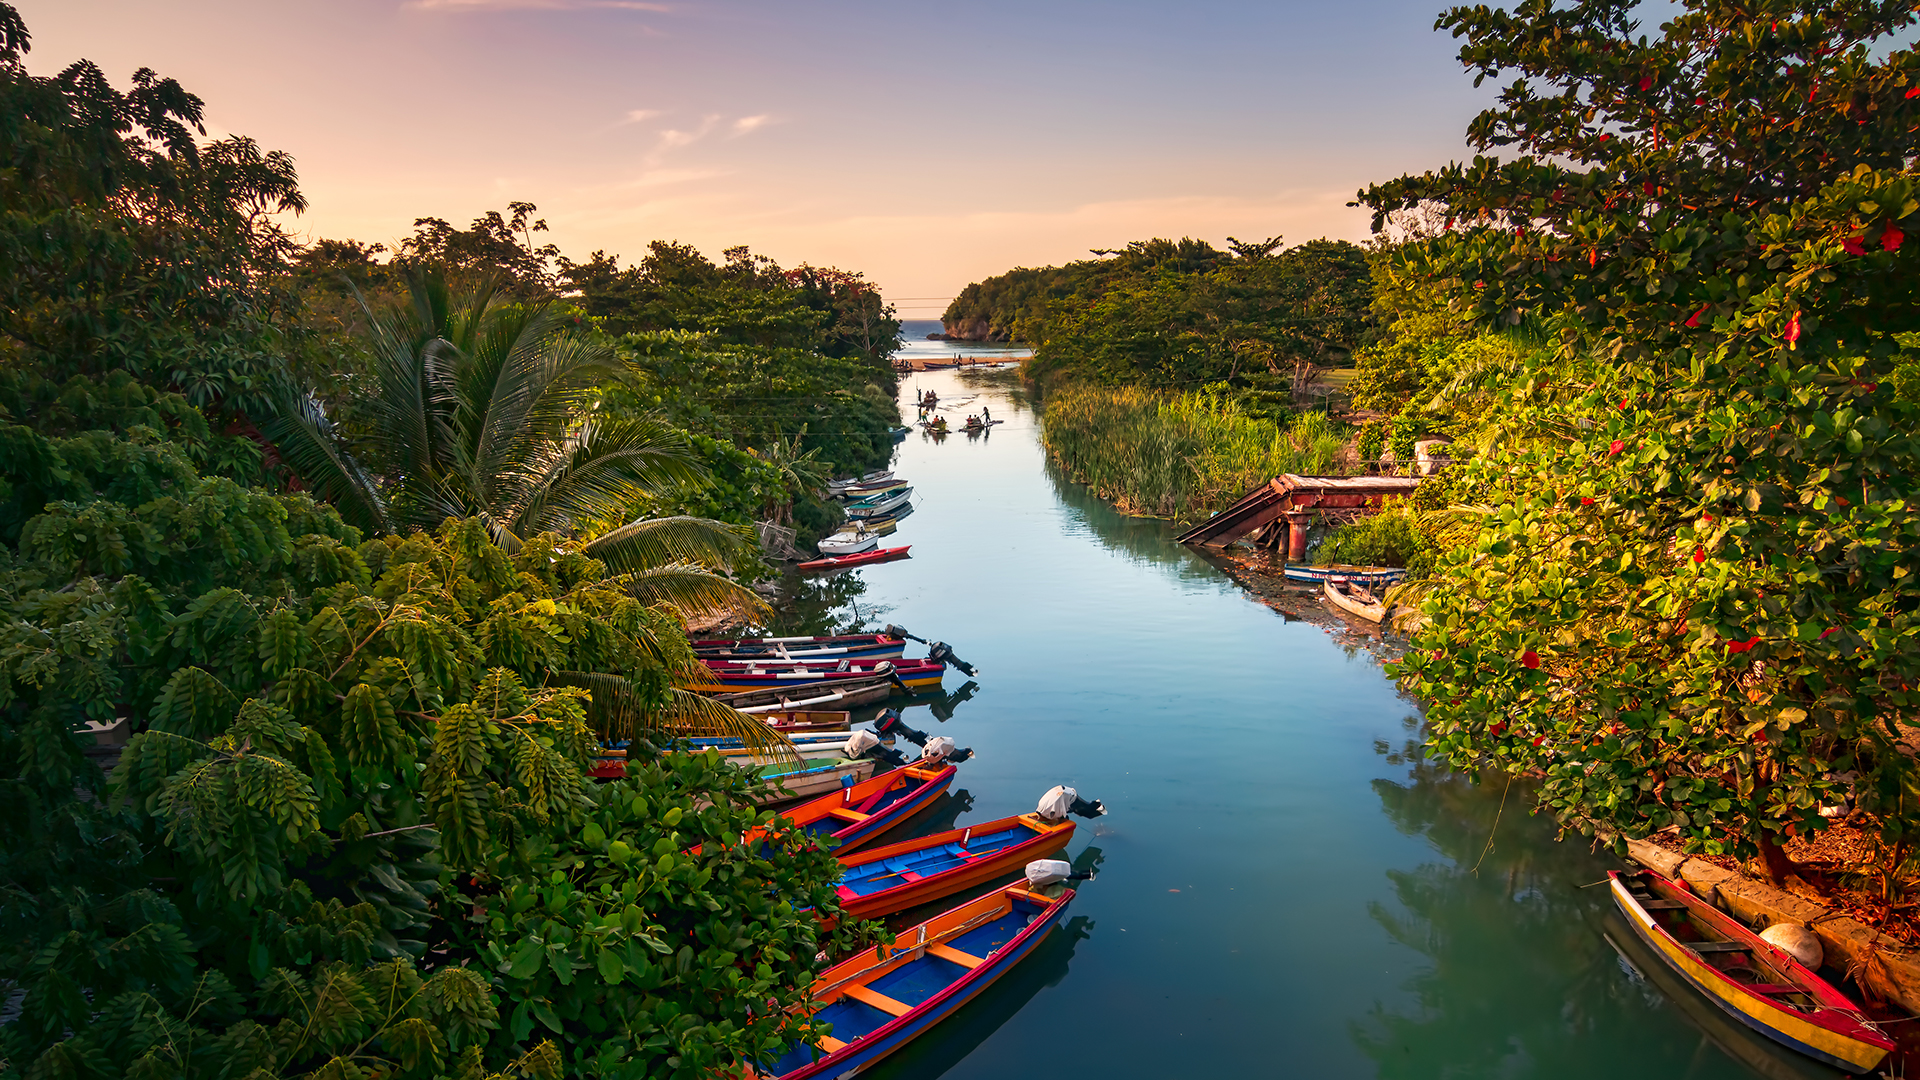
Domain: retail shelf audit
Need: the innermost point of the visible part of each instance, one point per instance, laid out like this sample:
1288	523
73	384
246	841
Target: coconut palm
802	473
483	408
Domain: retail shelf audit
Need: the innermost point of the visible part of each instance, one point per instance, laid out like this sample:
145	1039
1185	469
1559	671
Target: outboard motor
1059	801
866	744
1043	873
938	651
889	723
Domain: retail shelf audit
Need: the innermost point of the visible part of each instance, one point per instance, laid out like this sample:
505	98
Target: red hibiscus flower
1646	83
1890	240
1792	332
1531	659
1828	631
1584	501
1743	646
1855	245
1694	319
1914	92
1615	447
1699	555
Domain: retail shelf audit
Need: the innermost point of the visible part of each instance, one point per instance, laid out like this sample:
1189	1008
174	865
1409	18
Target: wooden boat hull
808	778
1365	575
873	491
864	691
825	647
852	816
989	935
883	880
881	506
840	545
1351	605
842	562
840	487
730	677
799	721
1830	1029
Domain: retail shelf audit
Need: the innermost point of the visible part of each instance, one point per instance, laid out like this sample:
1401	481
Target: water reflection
1519	979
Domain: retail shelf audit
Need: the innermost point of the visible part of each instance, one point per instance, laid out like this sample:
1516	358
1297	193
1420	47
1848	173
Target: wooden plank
831	1044
845	814
948	952
878	1000
1716	946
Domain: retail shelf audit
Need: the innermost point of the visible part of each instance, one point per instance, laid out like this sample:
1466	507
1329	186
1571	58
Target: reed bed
1179	455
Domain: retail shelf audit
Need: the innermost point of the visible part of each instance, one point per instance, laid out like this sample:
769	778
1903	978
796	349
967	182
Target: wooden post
1297	524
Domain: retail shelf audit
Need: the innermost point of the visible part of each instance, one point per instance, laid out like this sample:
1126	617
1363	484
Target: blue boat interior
912	983
875	804
891	873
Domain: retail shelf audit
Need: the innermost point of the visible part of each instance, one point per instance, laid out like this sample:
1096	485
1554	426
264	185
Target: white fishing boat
849	542
881	506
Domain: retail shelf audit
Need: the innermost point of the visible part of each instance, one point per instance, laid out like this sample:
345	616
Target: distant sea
914	343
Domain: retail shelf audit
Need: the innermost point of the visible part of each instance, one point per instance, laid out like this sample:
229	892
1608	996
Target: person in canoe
986	414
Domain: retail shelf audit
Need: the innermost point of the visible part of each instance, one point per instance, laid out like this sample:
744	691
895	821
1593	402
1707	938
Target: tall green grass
1179	455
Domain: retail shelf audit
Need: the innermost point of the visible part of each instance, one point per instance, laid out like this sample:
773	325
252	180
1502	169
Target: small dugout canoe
823	647
805	778
1365	575
865	691
1755	982
893	878
801	721
881	999
729	676
1355	600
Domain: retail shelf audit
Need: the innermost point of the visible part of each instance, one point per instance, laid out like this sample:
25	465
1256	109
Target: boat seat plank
1772	988
1662	905
878	1000
845	814
949	953
831	1044
1717	946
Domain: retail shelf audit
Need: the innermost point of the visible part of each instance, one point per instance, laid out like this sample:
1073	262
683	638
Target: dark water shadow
1514	975
1145	540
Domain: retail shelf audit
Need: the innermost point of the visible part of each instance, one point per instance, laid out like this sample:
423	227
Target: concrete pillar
1297	525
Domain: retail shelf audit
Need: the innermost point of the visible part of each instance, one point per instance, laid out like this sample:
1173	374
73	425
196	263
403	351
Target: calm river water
1284	888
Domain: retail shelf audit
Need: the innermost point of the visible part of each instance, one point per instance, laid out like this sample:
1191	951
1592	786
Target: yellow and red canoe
1755	982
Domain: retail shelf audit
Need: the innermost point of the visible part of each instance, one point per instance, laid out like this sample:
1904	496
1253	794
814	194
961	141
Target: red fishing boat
1756	982
841	562
730	676
854	815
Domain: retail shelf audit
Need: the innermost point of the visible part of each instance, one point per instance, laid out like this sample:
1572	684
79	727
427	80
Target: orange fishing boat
896	877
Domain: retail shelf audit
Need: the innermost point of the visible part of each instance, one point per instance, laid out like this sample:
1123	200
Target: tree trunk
1773	859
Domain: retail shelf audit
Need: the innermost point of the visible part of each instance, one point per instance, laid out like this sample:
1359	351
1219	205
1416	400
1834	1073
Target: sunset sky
926	144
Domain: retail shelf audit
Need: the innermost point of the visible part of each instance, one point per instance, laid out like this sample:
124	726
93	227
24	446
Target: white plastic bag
860	742
937	749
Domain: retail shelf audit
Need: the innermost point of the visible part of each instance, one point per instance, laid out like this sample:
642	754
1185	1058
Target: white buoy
1796	941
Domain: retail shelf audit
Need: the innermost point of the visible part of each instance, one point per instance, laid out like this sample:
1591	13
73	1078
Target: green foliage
1389	538
347	755
1684	597
1177	316
757	397
130	247
748	301
1178	455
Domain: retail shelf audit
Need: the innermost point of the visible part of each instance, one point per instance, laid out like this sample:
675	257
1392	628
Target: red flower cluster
1531	659
1694	319
1828	631
1890	240
1584	501
1615	447
1792	332
1743	646
1854	245
1699	554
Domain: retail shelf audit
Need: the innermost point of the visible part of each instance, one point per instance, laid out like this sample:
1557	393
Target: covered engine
1060	800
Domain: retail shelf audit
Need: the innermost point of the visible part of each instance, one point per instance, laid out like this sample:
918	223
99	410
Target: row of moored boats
849	785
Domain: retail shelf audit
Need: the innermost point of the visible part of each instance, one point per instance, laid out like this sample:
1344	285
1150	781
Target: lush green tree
1690	604
484	409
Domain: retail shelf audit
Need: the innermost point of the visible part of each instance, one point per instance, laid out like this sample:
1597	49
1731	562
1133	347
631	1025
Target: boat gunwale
937	779
1833	1012
1000	902
1046	837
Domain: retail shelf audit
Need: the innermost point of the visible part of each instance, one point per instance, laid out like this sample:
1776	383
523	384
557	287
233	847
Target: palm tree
483	408
803	474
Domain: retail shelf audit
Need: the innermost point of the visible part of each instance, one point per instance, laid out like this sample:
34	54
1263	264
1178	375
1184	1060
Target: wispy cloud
537	5
751	123
675	138
635	116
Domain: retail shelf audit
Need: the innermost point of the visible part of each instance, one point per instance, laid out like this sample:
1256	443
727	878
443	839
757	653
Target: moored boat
1755	982
874	490
836	487
795	721
881	999
883	880
842	562
852	816
802	778
732	676
797	648
1354	599
848	543
845	695
880	505
1365	575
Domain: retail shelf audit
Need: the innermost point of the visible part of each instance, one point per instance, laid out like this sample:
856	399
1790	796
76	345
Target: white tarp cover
1047	871
860	742
1056	803
937	748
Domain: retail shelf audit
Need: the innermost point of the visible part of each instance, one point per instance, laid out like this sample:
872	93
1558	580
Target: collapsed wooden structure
1300	500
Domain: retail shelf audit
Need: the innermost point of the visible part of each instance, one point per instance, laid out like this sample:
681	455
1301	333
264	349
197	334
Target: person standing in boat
986	414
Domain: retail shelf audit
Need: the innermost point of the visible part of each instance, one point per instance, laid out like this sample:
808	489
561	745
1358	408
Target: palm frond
651	542
617	712
307	440
601	473
694	592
